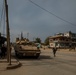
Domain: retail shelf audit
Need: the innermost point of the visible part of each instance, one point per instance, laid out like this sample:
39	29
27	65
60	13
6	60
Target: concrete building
63	40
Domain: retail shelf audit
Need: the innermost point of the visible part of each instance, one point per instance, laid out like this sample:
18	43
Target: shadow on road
45	57
41	57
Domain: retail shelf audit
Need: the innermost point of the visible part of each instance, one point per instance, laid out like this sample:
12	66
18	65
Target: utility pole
8	35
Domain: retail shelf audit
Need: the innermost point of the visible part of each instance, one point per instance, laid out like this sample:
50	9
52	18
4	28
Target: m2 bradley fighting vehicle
24	47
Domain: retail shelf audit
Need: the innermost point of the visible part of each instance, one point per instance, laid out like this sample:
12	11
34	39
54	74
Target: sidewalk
4	65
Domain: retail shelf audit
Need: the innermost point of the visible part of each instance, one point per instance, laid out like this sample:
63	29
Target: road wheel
37	55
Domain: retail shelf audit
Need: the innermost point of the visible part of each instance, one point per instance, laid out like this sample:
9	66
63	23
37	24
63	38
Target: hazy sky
26	17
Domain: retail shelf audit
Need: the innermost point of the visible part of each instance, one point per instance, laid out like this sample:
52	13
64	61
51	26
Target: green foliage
38	40
46	41
2	40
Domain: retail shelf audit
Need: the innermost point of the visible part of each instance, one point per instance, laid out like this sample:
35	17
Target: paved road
63	64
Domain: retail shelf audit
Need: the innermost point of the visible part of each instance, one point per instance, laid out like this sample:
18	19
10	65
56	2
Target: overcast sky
26	17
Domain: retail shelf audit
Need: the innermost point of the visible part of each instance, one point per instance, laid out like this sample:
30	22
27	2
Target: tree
38	40
46	41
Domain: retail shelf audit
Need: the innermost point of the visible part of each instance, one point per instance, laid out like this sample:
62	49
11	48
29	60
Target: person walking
54	51
0	53
3	50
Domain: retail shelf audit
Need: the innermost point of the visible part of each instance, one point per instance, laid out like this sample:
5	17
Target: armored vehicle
26	50
24	47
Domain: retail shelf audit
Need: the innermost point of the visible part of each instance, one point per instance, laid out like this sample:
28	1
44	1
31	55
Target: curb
14	66
5	65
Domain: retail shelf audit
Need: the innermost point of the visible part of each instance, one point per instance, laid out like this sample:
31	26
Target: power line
51	13
2	14
2	21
